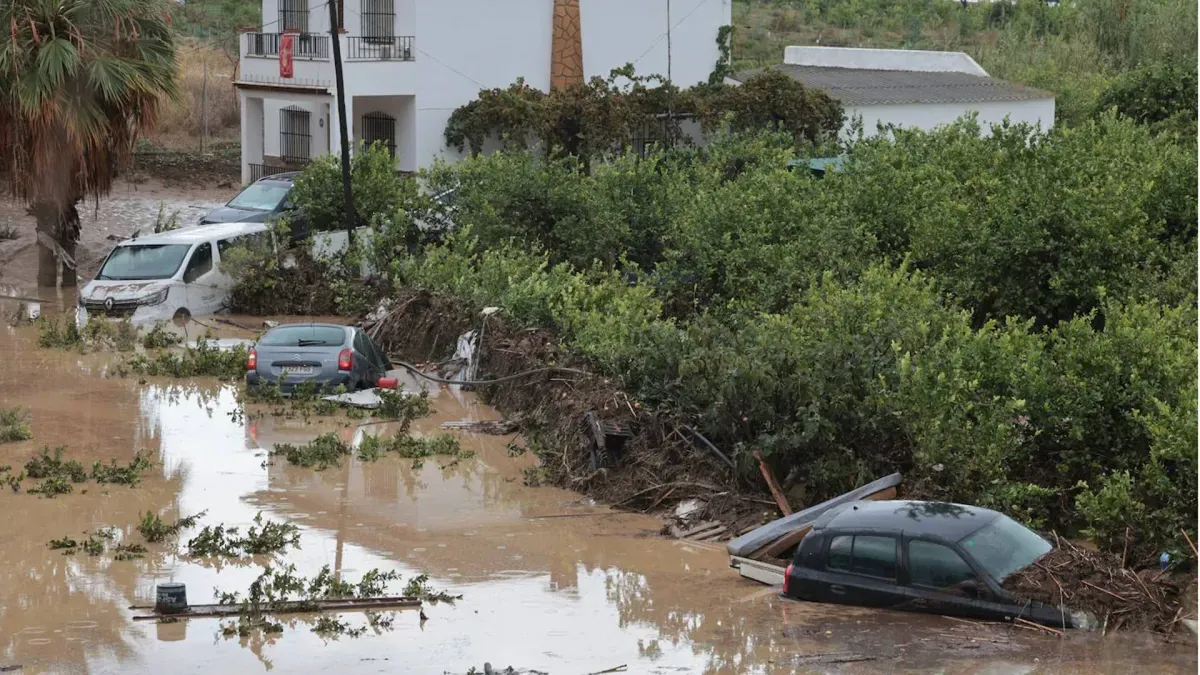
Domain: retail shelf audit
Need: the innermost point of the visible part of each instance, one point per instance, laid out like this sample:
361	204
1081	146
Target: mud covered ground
134	205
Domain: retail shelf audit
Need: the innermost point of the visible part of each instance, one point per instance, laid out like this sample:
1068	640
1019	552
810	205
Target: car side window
936	566
360	346
199	264
840	549
874	557
871	556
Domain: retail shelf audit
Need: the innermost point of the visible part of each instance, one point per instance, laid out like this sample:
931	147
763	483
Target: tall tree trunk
46	216
69	228
60	225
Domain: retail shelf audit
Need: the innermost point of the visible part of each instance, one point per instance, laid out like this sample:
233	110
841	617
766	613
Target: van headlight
155	298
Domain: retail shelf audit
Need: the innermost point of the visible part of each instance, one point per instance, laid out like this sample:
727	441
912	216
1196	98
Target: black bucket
172	598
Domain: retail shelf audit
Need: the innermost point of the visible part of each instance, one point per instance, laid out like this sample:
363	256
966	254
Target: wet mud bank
649	461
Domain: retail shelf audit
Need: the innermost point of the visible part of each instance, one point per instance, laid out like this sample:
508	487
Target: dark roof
951	521
858	86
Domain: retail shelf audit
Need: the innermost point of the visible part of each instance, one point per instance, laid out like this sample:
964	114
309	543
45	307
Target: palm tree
79	81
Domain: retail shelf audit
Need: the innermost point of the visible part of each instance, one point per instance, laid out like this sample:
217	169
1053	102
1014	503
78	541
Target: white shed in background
912	88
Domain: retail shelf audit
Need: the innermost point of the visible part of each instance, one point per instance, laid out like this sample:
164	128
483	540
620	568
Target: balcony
390	48
374	66
266	45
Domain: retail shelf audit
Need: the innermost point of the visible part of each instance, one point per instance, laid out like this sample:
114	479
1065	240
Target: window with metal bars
651	132
378	20
293	15
295	135
380	128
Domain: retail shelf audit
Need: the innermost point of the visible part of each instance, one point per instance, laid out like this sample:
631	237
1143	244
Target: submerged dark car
323	356
262	199
920	556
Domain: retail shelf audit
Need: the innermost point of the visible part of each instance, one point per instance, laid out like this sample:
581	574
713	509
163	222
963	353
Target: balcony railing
391	48
306	45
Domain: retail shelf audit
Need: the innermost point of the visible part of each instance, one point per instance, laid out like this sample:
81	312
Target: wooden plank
773	484
292	607
762	572
711	534
777	547
702	527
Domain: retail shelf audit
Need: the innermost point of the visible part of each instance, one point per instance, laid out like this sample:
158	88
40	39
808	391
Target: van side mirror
970	588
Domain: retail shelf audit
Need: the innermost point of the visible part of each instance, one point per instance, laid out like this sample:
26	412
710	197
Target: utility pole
347	196
670	94
204	109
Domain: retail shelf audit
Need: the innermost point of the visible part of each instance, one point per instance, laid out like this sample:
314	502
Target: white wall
616	32
403	108
467	45
928	115
319	125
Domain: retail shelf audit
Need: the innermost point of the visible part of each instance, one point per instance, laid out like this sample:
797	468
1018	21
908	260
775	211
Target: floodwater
549	581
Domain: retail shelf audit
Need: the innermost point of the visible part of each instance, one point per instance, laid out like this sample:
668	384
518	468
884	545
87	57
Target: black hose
417	371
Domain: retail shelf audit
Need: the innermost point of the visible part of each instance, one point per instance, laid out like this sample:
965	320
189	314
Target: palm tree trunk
61	225
68	232
46	216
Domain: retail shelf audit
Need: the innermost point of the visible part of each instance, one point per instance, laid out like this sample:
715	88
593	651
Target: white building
408	64
911	88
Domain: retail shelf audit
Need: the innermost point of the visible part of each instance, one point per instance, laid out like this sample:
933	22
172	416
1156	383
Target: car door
204	282
862	569
943	581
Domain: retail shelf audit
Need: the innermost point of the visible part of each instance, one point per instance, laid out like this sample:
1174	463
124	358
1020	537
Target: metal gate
380	128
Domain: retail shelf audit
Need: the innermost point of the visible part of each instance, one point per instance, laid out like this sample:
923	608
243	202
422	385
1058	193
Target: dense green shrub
378	192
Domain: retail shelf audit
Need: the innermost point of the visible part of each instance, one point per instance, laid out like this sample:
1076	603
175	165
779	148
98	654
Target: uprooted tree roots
656	466
1096	582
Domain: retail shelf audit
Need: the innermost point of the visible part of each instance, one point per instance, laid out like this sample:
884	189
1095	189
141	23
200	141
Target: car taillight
346	360
786	575
252	360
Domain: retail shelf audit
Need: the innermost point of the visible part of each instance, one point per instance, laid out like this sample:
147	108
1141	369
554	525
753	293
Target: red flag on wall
286	44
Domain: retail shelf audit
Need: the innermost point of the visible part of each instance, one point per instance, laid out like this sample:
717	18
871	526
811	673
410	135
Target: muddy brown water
549	581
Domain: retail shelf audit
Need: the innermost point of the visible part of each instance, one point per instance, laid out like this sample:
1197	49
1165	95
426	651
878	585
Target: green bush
378	191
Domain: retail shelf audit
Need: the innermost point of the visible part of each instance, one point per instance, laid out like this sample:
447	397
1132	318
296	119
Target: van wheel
182	316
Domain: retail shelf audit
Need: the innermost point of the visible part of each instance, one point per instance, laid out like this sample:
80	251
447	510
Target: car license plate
297	370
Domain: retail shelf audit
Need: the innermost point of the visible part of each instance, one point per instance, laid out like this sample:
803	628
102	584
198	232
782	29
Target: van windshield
1004	546
260	196
143	261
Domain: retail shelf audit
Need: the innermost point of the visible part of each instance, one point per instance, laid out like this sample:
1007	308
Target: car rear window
1004	546
871	556
261	196
304	336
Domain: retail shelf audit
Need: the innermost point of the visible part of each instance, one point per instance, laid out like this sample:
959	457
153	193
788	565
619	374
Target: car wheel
182	316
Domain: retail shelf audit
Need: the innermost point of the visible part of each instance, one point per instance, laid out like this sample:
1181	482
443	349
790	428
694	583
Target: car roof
195	233
285	177
309	324
941	519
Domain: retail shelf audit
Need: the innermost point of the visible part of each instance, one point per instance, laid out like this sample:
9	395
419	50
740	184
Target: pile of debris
1097	582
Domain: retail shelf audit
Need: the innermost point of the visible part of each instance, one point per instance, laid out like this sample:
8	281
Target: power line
661	36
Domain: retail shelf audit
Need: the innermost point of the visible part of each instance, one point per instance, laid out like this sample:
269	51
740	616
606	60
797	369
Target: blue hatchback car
323	355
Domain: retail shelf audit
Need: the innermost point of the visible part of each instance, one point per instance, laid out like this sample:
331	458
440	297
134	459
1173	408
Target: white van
162	276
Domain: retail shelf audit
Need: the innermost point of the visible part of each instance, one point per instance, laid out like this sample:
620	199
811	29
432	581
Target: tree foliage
1008	318
604	116
79	81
